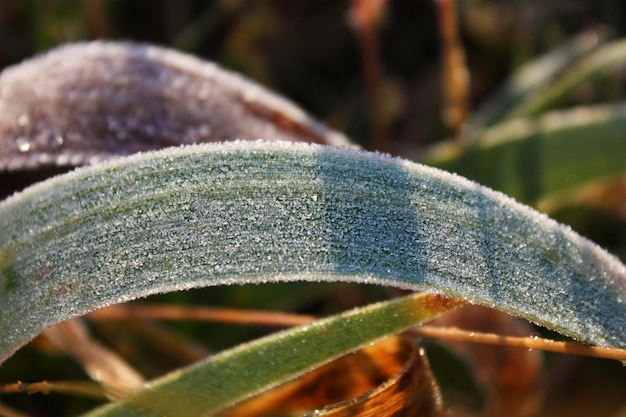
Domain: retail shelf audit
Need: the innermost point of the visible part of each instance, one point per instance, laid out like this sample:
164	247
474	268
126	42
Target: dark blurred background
308	49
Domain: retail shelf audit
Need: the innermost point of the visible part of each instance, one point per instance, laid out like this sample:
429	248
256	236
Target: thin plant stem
213	314
528	342
456	78
83	388
281	319
366	16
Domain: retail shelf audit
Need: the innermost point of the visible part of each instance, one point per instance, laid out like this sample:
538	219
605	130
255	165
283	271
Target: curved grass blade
534	159
534	77
235	375
261	212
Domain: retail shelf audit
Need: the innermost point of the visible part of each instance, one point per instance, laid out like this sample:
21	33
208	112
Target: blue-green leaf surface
263	212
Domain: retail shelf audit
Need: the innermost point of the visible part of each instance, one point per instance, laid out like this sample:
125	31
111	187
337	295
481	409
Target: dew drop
23	145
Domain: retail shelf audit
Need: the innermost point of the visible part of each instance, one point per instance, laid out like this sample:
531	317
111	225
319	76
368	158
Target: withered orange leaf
383	378
411	392
102	364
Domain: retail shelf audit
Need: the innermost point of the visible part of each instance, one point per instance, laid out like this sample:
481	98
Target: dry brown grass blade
214	314
87	389
411	392
524	342
282	319
102	364
379	380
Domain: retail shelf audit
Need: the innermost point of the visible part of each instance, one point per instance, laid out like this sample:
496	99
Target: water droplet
23	145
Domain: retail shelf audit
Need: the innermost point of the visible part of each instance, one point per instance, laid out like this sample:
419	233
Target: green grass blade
533	159
533	78
596	64
232	376
263	212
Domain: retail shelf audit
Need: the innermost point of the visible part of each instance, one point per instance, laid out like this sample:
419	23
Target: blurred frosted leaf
260	212
86	102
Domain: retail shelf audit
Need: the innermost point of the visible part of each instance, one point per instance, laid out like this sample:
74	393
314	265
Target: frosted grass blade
265	212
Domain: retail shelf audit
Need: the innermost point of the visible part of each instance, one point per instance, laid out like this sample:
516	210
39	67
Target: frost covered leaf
237	374
91	101
260	212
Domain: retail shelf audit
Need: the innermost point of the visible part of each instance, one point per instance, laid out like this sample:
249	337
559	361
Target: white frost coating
94	100
269	211
312	148
252	93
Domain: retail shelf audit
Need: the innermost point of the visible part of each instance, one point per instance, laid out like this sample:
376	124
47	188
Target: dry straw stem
455	73
280	319
531	342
